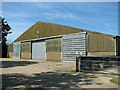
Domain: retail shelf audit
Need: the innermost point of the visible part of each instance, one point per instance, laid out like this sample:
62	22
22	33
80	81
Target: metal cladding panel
73	45
53	49
39	50
100	43
16	50
53	45
26	50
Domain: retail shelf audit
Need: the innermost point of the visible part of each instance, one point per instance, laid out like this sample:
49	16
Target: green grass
58	64
116	80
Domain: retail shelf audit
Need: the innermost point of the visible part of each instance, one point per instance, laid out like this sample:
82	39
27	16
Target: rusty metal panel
53	45
53	49
26	50
100	43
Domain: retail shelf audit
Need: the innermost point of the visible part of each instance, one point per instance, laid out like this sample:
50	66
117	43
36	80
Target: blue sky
94	16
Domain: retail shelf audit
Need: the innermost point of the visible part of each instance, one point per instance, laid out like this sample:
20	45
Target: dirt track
40	74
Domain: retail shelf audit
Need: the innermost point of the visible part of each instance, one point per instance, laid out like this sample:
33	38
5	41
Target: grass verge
58	64
116	80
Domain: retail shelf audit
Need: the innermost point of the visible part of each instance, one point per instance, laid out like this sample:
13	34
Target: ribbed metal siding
16	50
73	45
53	49
26	50
100	43
53	45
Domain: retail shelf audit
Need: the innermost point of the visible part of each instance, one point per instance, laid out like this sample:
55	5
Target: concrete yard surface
24	73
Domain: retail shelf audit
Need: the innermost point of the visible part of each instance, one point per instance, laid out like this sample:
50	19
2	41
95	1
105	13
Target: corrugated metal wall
26	50
53	49
100	43
53	45
16	50
73	45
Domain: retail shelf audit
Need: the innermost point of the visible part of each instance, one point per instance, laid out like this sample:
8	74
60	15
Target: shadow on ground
7	64
47	79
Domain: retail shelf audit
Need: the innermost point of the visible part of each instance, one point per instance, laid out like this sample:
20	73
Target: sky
94	16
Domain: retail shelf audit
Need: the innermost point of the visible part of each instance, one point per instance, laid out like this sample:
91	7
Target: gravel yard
20	73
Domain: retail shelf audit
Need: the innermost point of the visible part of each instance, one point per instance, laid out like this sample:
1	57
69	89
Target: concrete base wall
101	54
25	55
10	54
53	56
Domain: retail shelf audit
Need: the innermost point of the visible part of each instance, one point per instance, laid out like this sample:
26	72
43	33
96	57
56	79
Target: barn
48	41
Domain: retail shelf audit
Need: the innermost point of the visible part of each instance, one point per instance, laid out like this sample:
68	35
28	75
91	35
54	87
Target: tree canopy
5	31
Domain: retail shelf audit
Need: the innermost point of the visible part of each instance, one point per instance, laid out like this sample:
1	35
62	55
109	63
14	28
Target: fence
96	63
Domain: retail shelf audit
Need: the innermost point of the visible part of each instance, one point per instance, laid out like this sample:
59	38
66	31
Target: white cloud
42	6
48	18
48	14
60	15
18	15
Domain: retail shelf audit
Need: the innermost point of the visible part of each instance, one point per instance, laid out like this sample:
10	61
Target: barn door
39	50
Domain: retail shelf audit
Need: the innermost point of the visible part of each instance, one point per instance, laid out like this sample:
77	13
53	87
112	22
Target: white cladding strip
16	50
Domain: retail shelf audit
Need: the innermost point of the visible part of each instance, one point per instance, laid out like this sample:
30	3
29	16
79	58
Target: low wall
26	55
101	54
53	56
10	54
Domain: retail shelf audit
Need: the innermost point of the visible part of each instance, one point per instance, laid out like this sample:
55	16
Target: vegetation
5	31
58	64
116	80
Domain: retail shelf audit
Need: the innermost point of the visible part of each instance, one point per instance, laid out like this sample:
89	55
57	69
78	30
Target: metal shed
66	47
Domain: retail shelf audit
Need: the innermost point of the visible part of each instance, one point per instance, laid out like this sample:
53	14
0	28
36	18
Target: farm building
48	41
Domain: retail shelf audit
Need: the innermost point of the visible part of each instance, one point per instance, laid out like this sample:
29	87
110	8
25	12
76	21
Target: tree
5	31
